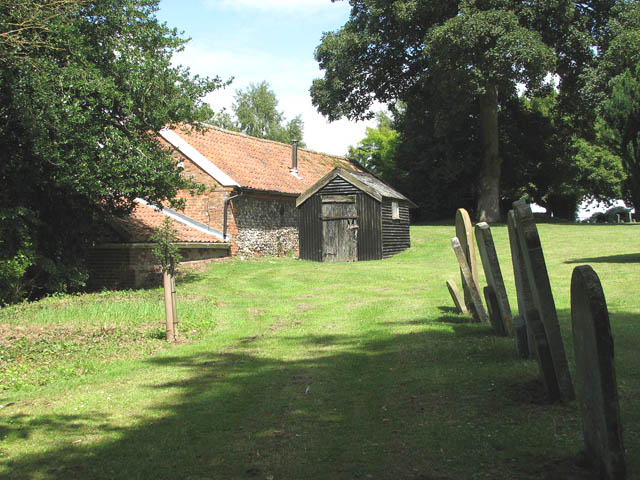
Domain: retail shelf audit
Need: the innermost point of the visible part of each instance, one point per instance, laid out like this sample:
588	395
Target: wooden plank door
339	228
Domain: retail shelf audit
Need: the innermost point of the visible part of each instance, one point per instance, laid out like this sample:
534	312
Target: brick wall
126	267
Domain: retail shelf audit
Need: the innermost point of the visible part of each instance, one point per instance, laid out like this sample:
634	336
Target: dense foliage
255	112
377	150
466	70
81	97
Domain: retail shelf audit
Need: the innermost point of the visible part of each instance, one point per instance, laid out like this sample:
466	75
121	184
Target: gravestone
523	290
596	375
493	274
493	309
520	333
536	272
467	279
456	297
464	233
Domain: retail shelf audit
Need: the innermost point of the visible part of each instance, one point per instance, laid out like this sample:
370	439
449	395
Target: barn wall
369	223
266	225
369	232
338	186
311	229
395	233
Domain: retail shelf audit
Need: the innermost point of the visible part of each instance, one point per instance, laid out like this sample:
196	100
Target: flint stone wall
266	226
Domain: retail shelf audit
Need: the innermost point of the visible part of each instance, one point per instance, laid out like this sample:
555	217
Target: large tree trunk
489	174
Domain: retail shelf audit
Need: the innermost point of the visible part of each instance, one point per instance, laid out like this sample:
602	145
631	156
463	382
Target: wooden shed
348	216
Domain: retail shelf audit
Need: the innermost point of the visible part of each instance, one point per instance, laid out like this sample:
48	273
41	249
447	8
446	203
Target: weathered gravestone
537	338
464	233
493	309
536	272
536	335
456	297
523	291
467	279
493	274
596	375
520	333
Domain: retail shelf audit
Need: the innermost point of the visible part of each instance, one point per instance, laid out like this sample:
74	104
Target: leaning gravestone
526	306
536	335
493	309
456	297
493	274
536	272
464	233
467	280
520	333
596	375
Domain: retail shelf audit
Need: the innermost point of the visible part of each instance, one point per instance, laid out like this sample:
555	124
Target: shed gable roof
256	163
366	182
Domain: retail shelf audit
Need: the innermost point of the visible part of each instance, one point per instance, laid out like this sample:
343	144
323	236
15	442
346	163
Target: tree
377	151
622	113
256	114
79	112
462	59
25	24
547	162
167	254
613	85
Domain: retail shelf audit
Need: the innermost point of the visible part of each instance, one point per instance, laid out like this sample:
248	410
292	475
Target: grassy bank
293	369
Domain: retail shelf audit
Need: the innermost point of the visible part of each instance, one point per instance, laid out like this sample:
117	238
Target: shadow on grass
410	406
625	258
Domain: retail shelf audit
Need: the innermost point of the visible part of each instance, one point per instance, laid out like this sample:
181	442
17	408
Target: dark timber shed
348	216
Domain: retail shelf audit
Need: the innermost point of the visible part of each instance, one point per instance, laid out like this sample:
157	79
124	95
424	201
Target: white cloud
320	135
289	79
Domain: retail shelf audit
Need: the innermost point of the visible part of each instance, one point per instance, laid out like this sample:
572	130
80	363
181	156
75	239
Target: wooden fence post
174	313
168	306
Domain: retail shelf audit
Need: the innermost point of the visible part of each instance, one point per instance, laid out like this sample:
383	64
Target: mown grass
293	369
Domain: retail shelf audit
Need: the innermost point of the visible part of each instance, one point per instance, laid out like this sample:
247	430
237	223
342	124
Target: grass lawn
293	370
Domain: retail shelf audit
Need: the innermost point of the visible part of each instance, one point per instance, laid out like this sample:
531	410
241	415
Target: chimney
294	158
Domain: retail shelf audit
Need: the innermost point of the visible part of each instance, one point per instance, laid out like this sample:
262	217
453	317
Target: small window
395	210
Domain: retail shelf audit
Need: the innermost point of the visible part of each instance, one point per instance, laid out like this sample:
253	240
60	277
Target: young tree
456	57
79	112
256	114
167	254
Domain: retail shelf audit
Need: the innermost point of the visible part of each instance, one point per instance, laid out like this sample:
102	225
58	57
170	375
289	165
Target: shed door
339	228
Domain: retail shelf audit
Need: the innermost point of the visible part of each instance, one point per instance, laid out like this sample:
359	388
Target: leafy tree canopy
621	111
462	60
377	150
255	112
82	95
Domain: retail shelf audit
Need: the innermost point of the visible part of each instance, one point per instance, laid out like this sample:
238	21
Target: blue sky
272	40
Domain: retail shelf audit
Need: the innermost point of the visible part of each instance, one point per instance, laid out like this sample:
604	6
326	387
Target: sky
271	40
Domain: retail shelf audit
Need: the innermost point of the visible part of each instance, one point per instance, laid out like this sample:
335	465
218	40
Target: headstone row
537	331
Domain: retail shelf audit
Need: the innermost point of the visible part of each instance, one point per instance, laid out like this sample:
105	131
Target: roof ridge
267	140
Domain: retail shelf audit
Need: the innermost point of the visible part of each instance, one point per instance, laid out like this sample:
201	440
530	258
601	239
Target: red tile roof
262	164
141	224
